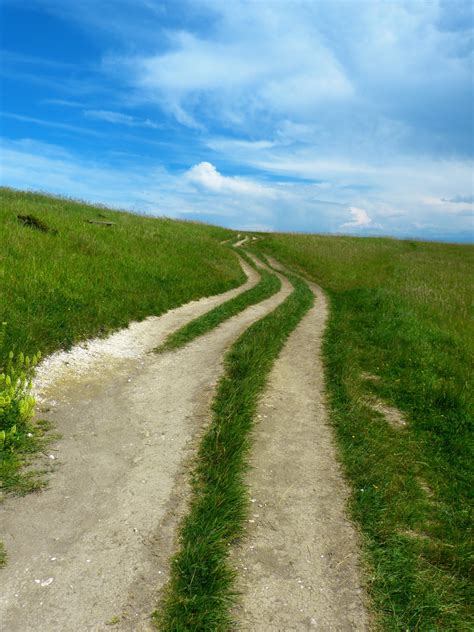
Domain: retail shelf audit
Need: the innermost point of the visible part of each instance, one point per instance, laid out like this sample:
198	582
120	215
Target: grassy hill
63	279
401	334
400	337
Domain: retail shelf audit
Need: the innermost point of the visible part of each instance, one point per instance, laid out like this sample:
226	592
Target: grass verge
268	285
399	330
200	592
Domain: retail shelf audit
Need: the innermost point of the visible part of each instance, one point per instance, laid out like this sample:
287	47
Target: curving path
93	548
91	552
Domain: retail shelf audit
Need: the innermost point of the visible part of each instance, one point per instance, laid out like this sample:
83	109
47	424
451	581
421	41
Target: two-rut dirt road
92	549
298	566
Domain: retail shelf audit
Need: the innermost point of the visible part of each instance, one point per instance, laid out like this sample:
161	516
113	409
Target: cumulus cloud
360	218
205	175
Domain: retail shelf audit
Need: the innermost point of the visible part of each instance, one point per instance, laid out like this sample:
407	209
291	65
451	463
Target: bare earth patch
92	550
391	414
298	567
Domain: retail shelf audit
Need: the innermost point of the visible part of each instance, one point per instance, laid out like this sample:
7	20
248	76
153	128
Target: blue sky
324	116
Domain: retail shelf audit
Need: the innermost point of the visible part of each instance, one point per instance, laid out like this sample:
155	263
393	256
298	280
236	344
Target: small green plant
16	401
18	436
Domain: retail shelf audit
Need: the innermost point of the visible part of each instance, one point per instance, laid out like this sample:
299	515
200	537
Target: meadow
401	333
63	279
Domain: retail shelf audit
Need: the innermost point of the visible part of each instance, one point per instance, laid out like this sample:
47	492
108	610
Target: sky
340	116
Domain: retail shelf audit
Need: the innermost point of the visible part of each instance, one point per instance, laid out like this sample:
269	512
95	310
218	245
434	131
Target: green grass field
79	280
399	330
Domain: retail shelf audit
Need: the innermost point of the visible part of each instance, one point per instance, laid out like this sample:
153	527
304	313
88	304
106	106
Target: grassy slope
80	280
400	311
201	588
87	279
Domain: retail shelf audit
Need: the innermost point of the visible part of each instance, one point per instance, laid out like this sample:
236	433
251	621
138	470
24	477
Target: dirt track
298	567
92	550
94	546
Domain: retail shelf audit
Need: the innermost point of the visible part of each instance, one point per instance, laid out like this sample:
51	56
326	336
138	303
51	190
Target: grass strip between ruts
268	285
201	588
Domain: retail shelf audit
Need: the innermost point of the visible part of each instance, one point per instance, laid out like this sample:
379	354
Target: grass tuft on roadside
201	592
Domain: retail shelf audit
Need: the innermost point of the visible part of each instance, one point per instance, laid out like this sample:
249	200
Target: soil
92	549
298	567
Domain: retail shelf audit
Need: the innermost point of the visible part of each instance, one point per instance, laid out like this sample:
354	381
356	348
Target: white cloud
360	218
252	64
205	175
54	124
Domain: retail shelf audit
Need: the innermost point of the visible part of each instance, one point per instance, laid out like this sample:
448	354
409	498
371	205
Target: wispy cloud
68	103
120	118
12	57
238	75
266	66
55	124
460	199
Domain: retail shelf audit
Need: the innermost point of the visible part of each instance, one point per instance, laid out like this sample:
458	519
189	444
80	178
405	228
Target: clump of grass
84	281
201	589
268	285
400	312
